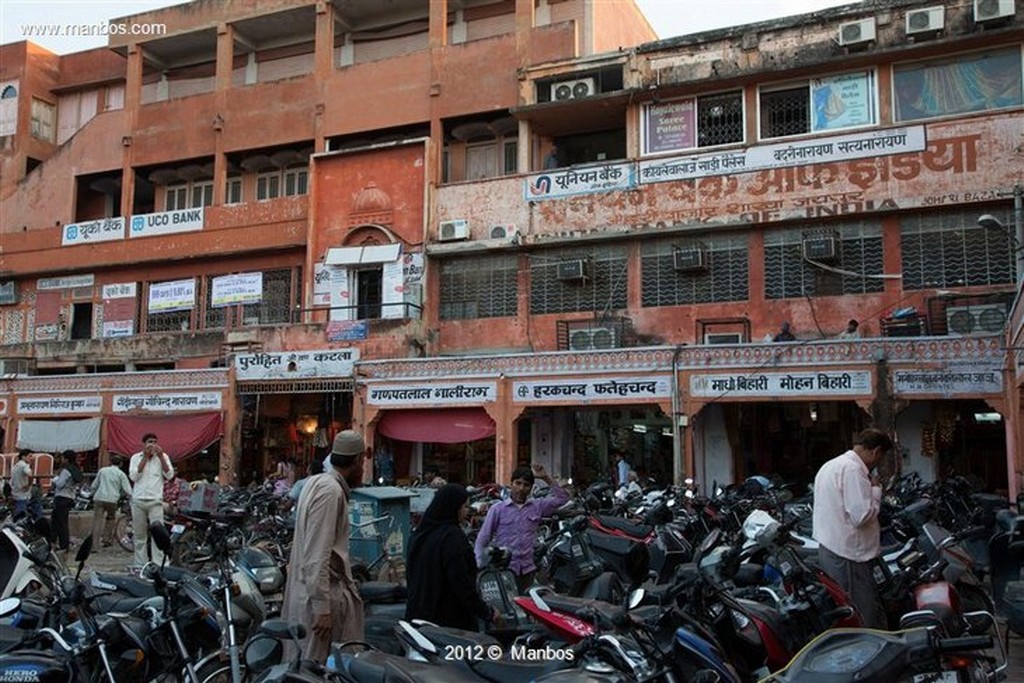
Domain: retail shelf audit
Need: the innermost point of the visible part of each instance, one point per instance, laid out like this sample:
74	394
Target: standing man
21	487
148	469
321	592
111	483
846	503
621	470
513	523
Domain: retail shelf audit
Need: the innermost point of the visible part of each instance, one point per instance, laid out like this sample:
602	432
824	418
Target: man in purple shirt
513	523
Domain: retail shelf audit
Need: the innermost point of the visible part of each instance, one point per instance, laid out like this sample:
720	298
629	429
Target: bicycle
390	564
124	533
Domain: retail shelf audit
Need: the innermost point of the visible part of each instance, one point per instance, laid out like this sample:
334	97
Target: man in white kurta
321	593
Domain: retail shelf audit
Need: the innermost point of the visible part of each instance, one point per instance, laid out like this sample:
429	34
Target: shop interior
967	438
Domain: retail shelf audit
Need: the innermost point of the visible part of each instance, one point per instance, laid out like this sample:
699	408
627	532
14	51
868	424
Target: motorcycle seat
378	667
382	592
456	638
584	609
637	531
749	574
120	603
125	583
500	671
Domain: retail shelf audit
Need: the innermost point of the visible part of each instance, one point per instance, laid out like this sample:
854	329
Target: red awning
440	425
181	436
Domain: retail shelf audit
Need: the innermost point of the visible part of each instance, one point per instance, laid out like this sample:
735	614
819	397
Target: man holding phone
148	470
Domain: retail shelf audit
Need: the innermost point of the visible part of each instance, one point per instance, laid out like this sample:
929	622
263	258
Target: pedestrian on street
321	592
513	523
110	485
847	499
63	499
21	487
148	470
441	571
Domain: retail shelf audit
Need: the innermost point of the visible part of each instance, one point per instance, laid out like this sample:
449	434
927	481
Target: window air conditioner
822	248
690	257
976	320
723	338
450	231
503	232
10	368
926	20
986	11
573	90
593	338
857	32
574	270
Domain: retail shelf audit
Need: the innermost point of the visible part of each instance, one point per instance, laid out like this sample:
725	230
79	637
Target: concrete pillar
525	21
132	102
225	68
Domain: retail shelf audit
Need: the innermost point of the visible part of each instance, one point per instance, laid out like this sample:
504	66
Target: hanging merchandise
320	438
928	441
945	420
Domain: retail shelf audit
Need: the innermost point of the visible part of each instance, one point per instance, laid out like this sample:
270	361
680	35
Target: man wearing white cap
321	593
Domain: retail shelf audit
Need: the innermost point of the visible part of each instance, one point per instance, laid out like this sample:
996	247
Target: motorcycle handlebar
964	643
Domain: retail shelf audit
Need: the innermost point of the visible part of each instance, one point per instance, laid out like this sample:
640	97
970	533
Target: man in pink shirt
846	503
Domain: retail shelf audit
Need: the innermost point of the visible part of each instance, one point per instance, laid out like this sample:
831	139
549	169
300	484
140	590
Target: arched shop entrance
786	440
457	442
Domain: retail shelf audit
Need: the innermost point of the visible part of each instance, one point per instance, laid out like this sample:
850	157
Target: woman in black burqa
441	571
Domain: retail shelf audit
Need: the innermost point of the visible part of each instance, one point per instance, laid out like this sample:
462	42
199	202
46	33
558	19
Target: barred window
479	287
278	301
785	112
720	119
169	321
672	125
822	104
949	249
724	278
602	290
788	275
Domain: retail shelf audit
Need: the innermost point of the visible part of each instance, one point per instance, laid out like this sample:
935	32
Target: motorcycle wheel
124	534
976	599
216	671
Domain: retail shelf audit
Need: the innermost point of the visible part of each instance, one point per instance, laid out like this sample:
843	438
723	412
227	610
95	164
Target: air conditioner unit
982	319
574	270
10	368
822	248
450	231
503	232
986	11
723	338
857	32
690	257
573	90
926	20
593	338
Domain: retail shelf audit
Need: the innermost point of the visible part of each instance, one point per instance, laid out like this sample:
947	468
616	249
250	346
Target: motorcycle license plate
937	677
178	529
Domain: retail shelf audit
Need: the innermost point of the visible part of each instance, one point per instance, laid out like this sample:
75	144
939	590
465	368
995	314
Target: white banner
392	290
593	390
123	290
65	405
179	295
949	381
818	150
296	364
772	384
321	284
204	400
433	394
67	282
118	328
100	230
167	222
241	288
586	180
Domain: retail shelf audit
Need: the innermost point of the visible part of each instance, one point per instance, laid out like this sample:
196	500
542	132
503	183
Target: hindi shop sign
100	230
593	390
166	223
785	154
179	295
778	384
433	394
587	180
206	400
296	364
949	381
241	288
65	405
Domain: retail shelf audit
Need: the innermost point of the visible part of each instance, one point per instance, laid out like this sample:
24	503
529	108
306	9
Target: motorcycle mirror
9	606
636	597
162	539
84	550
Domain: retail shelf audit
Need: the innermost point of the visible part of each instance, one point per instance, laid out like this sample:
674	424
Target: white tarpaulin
59	435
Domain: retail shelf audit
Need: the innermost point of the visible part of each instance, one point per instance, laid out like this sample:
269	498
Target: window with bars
949	249
828	103
859	249
169	321
726	277
720	119
275	309
672	125
602	291
785	112
479	287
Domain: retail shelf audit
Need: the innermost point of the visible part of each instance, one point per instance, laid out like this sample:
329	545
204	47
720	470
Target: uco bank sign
166	222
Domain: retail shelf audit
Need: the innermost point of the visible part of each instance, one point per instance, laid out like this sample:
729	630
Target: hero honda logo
26	673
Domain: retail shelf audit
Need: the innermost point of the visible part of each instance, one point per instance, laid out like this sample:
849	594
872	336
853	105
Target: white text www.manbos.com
73	30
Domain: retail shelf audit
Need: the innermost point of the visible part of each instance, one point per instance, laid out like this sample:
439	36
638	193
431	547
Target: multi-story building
485	232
